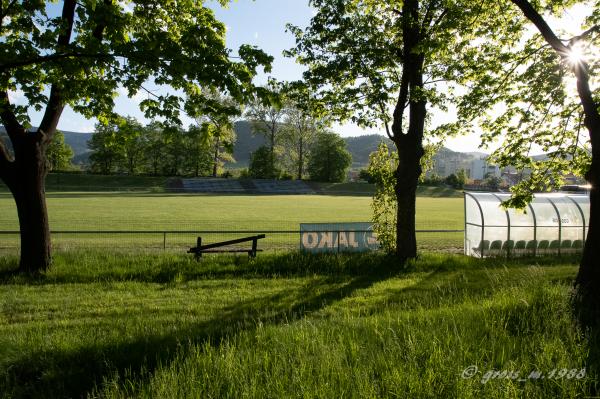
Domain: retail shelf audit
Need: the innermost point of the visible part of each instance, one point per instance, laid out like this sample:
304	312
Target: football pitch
139	212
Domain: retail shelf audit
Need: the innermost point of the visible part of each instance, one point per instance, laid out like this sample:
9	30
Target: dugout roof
551	223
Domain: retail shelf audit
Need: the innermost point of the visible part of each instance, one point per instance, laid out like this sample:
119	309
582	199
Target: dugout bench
200	249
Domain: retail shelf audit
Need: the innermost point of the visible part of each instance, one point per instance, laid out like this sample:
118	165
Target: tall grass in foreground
102	325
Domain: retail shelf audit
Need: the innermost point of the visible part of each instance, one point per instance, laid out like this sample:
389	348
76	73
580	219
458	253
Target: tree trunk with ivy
409	143
407	178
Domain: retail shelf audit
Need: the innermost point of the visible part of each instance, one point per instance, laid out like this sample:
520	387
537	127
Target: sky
263	23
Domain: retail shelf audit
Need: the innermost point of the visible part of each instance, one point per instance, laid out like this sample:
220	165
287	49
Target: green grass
122	326
122	211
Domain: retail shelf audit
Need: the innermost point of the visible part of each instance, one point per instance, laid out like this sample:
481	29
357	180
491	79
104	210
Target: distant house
353	175
481	169
447	162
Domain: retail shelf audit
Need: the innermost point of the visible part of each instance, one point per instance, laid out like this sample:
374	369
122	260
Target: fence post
164	241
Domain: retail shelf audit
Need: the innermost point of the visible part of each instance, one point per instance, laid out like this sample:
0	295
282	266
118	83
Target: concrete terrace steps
282	186
215	185
260	186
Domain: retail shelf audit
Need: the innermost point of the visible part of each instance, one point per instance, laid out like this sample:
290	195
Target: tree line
156	149
297	145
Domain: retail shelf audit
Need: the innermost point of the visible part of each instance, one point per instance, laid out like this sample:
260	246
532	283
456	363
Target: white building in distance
481	169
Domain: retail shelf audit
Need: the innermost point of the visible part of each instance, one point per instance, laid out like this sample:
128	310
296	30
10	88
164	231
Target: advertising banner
337	237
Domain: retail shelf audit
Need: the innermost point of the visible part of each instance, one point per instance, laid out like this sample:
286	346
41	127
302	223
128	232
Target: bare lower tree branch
397	129
584	35
542	26
9	120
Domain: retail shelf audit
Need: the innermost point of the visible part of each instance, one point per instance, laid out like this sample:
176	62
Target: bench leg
198	246
254	245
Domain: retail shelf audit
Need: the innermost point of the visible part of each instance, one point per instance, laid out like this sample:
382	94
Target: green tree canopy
59	154
130	138
267	119
216	126
261	166
329	159
107	152
529	103
298	134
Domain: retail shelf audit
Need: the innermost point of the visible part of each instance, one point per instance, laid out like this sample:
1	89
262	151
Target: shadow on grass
89	267
98	267
586	313
59	372
56	372
593	360
448	286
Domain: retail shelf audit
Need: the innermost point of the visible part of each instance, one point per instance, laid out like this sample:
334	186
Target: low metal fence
181	240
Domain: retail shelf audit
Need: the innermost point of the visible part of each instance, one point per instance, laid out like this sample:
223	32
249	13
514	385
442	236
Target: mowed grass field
123	210
200	212
102	325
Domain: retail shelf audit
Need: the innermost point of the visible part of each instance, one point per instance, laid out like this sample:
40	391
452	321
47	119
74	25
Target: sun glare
576	55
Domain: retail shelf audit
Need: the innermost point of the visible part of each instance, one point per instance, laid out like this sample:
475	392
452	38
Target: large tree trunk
26	174
587	284
409	143
407	176
26	182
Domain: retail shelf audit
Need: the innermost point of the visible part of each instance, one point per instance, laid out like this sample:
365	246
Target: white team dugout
551	224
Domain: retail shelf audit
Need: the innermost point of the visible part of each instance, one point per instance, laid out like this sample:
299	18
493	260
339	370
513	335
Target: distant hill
476	154
360	148
77	141
246	143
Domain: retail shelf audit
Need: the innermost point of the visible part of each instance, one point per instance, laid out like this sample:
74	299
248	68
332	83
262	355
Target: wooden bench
200	249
